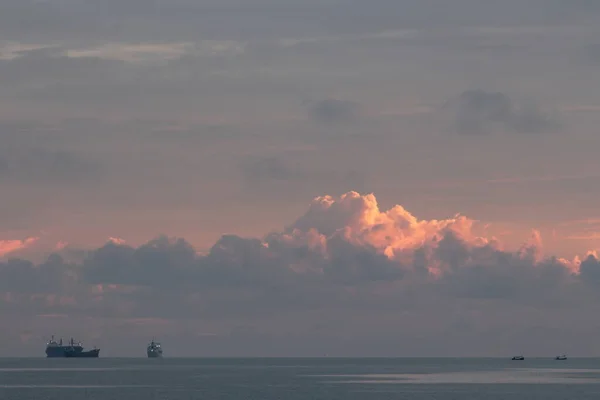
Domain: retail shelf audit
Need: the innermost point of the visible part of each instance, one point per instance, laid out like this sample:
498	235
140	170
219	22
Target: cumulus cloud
481	112
346	240
159	262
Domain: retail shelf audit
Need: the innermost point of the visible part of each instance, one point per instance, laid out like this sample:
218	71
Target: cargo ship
154	350
72	349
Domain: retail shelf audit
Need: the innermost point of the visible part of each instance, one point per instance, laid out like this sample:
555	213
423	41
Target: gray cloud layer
95	18
480	112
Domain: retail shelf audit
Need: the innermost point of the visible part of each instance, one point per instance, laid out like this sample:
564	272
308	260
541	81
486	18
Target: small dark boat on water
561	358
518	358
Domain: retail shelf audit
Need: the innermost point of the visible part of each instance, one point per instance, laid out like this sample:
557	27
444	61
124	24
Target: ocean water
299	378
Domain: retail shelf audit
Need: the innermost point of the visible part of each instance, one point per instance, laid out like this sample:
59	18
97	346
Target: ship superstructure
154	350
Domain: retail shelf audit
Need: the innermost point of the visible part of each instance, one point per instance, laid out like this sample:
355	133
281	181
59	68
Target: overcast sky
166	167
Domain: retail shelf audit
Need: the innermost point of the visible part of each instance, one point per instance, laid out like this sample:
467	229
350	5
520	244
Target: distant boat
563	357
154	350
56	349
518	358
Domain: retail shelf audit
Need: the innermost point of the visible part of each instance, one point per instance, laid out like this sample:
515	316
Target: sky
300	177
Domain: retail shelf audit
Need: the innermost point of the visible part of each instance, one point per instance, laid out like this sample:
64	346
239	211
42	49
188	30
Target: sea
299	378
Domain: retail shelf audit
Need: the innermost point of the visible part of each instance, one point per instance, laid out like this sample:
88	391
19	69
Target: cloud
481	112
590	269
334	110
20	276
158	53
9	246
133	53
160	262
88	77
37	67
345	240
343	256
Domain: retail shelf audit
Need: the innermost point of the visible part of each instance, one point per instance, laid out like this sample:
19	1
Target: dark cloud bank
344	259
333	110
480	112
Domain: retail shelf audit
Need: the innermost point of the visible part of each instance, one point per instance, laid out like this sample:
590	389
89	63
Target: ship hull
59	352
83	354
55	352
154	354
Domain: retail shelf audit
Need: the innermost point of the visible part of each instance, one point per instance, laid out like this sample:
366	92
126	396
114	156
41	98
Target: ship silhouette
72	349
154	350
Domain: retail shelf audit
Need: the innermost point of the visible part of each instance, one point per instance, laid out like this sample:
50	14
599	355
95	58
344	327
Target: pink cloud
61	245
116	240
394	233
359	219
339	242
10	246
587	236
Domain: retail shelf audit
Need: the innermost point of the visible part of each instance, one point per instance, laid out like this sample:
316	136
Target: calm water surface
289	379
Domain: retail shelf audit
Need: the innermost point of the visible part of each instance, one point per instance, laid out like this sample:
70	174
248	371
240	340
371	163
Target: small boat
561	358
518	358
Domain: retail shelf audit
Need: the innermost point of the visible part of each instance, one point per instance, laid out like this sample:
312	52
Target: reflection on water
73	369
299	379
506	376
74	386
